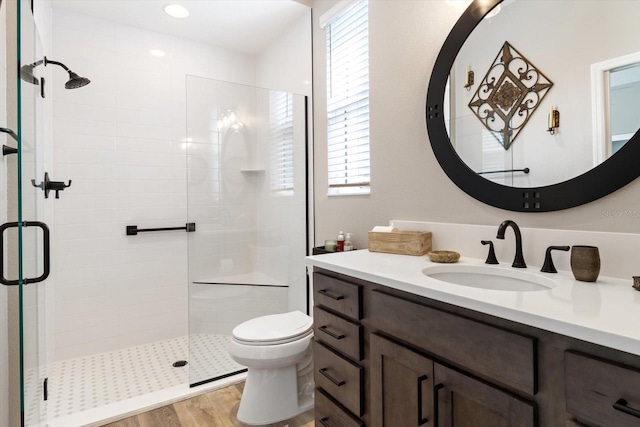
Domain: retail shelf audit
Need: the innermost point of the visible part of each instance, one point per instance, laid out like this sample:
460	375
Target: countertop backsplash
619	252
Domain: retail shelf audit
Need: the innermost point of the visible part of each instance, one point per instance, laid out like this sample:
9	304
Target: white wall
286	65
406	180
277	68
120	139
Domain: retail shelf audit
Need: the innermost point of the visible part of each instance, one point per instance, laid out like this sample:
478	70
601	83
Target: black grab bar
133	230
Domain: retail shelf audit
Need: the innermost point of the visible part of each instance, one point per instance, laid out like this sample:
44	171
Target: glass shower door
25	235
246	152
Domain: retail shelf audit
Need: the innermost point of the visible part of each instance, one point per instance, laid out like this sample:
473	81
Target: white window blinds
281	138
348	100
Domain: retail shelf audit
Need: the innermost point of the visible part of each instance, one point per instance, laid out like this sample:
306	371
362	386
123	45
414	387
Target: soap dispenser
348	244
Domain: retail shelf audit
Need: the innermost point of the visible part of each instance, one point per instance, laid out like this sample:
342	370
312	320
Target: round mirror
529	109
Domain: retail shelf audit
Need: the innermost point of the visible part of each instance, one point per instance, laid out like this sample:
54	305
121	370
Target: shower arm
46	62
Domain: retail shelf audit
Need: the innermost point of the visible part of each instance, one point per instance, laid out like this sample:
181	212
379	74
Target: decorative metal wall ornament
510	92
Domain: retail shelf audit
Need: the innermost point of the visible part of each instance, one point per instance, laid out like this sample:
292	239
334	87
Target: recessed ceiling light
157	53
176	11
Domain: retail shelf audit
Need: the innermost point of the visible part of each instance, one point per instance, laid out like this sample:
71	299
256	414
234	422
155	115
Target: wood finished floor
217	408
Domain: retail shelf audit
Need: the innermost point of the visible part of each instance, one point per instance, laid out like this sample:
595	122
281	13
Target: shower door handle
46	250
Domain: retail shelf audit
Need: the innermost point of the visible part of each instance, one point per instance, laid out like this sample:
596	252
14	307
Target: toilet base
271	396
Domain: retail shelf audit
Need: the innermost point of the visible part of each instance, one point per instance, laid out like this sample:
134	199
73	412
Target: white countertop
605	312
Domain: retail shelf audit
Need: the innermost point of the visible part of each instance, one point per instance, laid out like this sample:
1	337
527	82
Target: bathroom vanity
395	347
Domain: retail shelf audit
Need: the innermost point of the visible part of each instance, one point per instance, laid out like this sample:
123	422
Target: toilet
277	350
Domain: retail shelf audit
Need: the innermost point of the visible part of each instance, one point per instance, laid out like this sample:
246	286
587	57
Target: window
348	99
281	138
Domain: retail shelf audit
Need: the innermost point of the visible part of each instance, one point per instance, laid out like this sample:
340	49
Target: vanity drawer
600	392
503	357
330	414
338	295
342	379
339	333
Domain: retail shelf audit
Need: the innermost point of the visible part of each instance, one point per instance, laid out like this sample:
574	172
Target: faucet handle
491	257
548	266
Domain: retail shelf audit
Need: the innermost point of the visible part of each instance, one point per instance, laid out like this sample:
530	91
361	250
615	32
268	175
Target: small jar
330	245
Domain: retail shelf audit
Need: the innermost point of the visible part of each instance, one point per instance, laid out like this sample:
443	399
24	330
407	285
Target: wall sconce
554	120
468	82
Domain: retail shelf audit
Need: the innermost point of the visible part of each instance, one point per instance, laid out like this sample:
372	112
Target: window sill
349	191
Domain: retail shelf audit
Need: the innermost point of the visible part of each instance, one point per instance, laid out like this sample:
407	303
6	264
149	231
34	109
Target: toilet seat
273	329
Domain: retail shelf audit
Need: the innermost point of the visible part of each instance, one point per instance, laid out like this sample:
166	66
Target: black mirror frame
611	175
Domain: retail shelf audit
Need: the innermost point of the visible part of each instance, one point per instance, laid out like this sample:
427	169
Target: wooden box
400	242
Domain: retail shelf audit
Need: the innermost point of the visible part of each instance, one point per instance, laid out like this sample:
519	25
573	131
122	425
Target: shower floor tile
85	383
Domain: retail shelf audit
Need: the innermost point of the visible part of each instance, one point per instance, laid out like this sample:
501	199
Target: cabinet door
462	401
601	392
401	385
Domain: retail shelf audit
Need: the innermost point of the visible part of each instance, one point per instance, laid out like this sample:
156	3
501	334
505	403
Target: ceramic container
443	256
585	263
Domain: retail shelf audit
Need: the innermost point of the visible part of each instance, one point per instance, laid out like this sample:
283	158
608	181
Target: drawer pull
436	392
324	422
331	334
421	419
621	405
330	294
323	371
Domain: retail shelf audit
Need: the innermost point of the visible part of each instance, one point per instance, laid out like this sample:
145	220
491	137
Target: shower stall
181	211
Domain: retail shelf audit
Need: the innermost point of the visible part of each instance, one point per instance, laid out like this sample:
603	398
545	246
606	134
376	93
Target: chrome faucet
518	261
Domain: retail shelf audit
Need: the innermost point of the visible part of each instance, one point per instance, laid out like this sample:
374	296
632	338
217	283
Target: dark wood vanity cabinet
462	401
601	392
495	354
389	358
338	352
409	388
401	385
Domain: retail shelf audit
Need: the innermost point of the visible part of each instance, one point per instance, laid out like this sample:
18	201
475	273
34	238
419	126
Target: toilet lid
275	328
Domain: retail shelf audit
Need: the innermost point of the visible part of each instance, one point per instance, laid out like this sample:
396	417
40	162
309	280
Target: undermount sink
488	277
